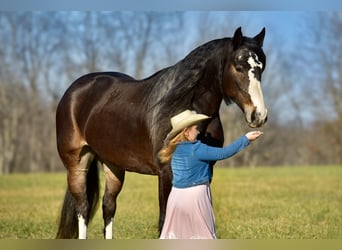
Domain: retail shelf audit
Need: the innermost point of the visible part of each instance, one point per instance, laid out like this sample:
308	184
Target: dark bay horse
111	119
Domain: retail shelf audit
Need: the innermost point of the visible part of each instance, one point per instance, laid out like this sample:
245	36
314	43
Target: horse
112	120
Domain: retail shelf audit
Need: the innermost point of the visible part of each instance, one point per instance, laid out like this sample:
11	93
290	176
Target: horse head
242	77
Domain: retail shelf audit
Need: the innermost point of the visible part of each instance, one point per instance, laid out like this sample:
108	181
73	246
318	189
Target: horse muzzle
256	119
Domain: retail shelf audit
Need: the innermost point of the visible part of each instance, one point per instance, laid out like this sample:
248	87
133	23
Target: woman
189	212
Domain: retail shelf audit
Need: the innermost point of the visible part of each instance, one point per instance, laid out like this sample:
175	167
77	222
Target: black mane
173	89
177	82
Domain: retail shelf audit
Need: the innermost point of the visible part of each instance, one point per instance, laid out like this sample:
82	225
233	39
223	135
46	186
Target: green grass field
258	203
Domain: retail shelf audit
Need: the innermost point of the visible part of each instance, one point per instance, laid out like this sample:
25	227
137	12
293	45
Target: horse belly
129	159
125	144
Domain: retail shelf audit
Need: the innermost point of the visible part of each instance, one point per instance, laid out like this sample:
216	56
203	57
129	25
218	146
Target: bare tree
28	50
324	87
128	42
42	52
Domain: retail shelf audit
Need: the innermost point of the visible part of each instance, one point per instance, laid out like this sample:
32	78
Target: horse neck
212	58
208	94
189	84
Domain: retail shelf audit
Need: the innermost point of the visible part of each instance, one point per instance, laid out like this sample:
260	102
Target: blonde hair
166	152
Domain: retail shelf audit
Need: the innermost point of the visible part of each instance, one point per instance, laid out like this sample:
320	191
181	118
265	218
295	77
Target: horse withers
118	122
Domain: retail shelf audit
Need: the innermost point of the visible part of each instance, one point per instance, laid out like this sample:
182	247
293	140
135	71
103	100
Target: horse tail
68	222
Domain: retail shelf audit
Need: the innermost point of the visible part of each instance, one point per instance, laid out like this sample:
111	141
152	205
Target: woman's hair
166	152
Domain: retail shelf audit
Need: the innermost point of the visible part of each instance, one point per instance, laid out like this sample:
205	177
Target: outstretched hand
253	135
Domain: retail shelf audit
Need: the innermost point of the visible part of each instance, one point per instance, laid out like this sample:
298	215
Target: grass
258	203
279	203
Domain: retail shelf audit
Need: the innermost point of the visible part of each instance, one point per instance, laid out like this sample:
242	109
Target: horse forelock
250	44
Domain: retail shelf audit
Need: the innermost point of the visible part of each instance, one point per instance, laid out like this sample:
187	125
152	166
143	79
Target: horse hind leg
114	181
83	185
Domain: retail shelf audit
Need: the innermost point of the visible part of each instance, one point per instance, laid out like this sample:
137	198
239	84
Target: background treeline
41	53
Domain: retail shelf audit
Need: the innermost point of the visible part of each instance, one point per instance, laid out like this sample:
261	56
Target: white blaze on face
254	89
82	227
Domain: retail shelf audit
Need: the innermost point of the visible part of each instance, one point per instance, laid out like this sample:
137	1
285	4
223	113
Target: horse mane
171	89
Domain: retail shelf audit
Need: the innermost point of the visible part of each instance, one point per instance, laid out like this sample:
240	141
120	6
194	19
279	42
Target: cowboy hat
183	120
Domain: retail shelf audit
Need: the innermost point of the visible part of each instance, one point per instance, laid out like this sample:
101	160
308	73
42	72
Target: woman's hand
253	135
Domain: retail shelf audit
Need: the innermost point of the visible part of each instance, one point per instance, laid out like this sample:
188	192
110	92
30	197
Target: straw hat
183	120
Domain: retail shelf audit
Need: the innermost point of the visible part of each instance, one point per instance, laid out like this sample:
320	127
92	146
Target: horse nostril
254	116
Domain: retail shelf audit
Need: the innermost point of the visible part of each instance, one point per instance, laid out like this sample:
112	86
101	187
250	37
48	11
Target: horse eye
239	68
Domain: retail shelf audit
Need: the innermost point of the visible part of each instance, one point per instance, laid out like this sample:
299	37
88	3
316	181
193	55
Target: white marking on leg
82	227
109	231
254	89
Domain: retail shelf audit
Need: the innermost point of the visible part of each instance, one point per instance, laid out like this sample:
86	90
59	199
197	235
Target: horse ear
260	37
237	38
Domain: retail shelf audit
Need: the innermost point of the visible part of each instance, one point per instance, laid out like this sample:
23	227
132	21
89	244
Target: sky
281	24
171	5
278	15
283	28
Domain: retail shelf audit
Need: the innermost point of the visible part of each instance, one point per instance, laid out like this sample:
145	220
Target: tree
43	52
325	142
29	43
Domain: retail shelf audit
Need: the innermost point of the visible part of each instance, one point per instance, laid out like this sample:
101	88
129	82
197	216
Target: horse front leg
114	181
213	135
165	185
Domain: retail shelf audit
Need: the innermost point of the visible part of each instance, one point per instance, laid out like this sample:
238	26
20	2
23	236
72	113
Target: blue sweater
190	161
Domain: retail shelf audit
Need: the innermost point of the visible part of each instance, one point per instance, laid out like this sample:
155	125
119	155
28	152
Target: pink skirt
189	214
